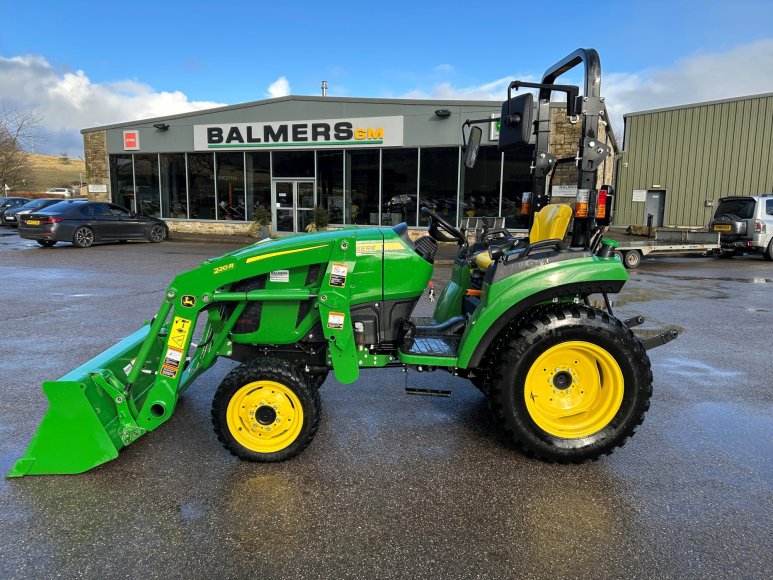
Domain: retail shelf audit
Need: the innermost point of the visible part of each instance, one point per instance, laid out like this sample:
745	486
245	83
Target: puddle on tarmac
714	279
695	369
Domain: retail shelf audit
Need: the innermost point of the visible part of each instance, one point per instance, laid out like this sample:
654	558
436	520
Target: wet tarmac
394	485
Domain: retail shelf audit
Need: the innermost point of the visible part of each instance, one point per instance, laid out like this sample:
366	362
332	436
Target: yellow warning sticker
179	332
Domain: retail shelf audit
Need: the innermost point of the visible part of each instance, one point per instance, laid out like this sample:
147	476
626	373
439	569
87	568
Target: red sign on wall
131	140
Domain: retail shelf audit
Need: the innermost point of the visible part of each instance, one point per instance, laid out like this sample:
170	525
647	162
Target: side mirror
515	126
473	146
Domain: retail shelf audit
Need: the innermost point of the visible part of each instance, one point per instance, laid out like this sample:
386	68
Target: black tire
257	381
631	259
317	380
563	330
46	243
768	253
728	254
479	381
83	237
156	233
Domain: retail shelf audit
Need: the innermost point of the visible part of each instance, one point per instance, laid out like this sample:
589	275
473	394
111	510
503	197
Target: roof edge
290	98
698	104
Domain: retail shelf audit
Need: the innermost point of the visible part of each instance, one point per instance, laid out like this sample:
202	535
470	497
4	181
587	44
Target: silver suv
745	225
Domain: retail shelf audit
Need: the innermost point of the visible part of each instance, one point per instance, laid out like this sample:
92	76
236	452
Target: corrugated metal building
676	162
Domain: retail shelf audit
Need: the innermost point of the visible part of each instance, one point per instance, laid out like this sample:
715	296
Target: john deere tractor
565	381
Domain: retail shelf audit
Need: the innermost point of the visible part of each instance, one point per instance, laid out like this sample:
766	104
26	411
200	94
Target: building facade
677	162
366	161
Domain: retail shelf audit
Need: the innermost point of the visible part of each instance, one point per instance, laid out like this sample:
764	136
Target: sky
84	64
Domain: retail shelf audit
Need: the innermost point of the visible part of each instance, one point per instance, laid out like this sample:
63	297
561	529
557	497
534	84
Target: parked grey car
86	222
745	224
11	216
7	203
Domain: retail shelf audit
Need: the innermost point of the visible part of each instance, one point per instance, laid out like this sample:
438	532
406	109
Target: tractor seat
550	223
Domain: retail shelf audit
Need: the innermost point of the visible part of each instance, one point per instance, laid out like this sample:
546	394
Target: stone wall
231	228
97	164
564	139
224	228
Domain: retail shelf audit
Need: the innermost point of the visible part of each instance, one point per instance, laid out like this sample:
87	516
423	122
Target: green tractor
566	381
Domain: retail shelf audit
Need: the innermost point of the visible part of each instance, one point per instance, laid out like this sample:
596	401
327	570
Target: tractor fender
502	306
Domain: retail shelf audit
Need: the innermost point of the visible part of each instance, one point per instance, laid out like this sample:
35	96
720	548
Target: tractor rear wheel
571	384
317	380
266	410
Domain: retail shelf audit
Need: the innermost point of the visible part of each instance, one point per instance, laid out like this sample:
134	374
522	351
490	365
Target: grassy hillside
51	171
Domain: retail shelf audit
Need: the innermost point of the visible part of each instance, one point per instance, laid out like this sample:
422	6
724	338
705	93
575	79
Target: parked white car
63	191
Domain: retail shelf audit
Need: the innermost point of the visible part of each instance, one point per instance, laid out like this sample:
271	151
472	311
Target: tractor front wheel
266	410
571	384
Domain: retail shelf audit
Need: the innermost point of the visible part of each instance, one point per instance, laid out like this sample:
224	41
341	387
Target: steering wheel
435	220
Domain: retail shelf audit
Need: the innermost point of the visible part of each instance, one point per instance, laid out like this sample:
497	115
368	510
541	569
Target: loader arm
133	387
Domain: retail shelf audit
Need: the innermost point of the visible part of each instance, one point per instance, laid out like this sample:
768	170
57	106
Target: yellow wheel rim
574	389
264	416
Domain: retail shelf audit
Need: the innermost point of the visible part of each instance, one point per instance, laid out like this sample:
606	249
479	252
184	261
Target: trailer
664	241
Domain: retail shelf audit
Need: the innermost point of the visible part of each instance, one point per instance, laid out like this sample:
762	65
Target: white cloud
67	102
279	88
444	69
492	91
743	70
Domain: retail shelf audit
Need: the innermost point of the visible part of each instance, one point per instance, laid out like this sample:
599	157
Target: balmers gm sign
359	132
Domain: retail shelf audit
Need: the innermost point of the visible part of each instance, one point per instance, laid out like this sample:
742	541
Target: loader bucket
80	430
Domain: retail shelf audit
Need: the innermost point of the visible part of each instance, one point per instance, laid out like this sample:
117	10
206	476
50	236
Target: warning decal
338	274
335	320
178	334
171	362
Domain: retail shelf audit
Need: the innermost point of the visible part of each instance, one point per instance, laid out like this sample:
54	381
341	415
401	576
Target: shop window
293	163
516	178
174	195
122	180
258	172
481	185
230	186
201	185
362	187
330	184
399	171
146	185
439	170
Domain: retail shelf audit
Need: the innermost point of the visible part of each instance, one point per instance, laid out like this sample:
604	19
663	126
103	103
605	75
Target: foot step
435	346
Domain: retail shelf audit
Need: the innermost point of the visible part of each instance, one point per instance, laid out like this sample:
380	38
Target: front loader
565	381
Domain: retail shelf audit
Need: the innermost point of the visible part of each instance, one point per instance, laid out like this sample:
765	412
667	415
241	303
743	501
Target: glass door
293	205
304	201
283	207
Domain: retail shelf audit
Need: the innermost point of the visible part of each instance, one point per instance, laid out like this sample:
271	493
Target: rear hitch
635	321
660	339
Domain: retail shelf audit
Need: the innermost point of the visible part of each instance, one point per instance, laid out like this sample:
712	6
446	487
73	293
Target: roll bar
590	153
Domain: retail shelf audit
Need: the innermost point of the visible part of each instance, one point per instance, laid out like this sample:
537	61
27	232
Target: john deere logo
188	301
